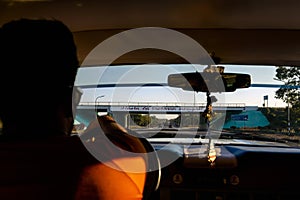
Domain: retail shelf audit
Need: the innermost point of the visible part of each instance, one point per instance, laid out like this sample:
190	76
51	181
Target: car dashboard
239	171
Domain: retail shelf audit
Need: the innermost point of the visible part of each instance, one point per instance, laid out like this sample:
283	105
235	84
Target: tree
141	120
289	93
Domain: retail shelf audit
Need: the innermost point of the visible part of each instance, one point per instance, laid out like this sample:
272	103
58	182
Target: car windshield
140	98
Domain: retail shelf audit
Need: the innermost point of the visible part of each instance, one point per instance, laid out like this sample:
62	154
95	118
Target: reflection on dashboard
240	172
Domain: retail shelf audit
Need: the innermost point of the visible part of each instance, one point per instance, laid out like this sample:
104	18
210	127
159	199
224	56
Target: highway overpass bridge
160	107
121	110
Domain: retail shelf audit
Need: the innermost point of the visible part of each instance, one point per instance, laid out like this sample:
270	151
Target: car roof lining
232	46
251	32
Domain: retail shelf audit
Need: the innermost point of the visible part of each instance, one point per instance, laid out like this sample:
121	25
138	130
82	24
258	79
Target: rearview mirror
209	81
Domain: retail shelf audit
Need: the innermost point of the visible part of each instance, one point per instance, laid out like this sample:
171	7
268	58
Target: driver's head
38	68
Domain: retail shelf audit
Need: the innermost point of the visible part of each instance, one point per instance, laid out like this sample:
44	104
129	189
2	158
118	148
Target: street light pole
96	101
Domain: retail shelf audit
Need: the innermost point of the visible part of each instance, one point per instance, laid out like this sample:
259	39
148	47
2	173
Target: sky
253	96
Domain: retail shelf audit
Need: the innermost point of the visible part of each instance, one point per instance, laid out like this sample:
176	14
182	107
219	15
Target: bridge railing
181	104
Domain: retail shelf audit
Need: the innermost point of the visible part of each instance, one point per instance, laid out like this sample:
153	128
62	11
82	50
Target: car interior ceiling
233	31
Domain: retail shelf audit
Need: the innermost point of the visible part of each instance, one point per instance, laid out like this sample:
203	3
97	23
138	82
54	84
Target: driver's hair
38	67
37	51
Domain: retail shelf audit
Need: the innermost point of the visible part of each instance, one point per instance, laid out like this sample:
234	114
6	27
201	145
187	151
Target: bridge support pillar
121	118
